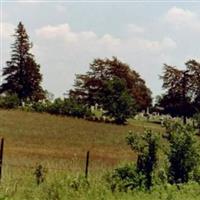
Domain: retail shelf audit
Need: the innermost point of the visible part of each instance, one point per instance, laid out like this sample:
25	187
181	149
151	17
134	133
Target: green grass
60	144
61	186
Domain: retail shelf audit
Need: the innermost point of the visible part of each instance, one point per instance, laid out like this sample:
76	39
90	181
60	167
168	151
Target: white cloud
87	35
62	31
65	33
110	40
7	30
182	18
133	28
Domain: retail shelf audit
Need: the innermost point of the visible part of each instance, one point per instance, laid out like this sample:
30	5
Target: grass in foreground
65	186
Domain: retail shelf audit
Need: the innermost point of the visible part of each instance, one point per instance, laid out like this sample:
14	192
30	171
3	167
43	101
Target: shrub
39	107
9	101
146	146
56	107
183	153
139	175
68	107
125	178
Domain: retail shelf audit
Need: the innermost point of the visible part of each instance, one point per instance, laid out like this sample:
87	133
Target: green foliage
88	85
21	186
183	152
146	146
40	106
79	183
182	97
68	107
9	101
116	100
125	178
57	107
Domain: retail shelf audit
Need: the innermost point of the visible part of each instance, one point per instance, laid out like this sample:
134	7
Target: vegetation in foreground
65	186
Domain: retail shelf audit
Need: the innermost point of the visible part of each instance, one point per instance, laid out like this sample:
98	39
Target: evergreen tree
22	74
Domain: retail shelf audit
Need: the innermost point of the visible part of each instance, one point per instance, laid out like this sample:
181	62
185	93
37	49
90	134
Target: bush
125	178
9	101
68	107
146	146
40	106
183	153
56	107
139	175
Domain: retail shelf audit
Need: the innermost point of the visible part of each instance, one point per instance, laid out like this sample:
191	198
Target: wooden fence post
87	164
1	156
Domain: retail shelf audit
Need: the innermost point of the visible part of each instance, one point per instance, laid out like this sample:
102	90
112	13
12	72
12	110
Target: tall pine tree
22	74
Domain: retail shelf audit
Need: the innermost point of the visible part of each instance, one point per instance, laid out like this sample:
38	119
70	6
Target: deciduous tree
182	89
88	85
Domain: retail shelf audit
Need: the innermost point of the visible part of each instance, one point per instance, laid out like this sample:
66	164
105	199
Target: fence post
87	164
1	156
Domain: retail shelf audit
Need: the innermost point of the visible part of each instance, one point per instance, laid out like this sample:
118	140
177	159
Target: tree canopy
116	101
182	97
88	85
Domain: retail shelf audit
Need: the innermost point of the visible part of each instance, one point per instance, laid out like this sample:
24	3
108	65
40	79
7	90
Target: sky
68	35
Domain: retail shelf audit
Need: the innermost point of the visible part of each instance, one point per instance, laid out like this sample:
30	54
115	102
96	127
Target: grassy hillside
62	142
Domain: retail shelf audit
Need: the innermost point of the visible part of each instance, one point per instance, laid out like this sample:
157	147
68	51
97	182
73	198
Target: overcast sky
67	36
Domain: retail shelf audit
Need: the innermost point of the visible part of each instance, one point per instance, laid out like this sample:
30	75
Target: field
60	145
32	138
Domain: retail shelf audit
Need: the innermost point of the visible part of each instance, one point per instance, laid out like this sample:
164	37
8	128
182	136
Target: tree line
110	84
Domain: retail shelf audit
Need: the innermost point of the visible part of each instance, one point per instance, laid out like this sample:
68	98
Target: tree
22	74
116	100
172	104
88	85
182	95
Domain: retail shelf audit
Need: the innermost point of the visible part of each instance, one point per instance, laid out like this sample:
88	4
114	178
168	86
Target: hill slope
62	142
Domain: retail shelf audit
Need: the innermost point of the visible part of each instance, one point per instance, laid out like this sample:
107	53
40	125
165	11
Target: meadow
60	145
